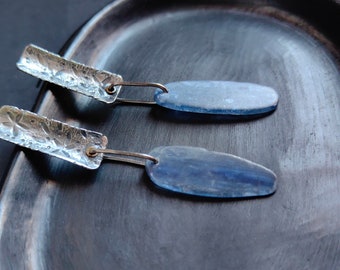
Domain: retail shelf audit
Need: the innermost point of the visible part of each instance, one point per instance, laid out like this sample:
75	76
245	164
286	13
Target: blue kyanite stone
218	97
197	171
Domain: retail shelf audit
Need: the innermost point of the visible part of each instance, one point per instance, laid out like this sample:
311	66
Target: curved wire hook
114	155
111	90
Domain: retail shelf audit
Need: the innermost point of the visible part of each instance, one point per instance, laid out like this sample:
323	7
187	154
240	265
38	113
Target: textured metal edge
51	137
69	74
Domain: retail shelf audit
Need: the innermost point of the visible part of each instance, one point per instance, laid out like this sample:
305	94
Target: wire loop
111	90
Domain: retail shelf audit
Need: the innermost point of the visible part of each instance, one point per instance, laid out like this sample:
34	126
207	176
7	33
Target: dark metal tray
54	215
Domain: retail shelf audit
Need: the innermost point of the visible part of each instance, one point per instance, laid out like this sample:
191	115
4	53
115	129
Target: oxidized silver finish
51	137
70	74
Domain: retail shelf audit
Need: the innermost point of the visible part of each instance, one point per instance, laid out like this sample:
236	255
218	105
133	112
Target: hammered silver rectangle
69	74
50	136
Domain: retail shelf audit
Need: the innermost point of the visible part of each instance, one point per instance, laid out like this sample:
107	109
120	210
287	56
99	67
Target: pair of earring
187	170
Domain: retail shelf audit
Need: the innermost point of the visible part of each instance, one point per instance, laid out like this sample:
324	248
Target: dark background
119	219
47	23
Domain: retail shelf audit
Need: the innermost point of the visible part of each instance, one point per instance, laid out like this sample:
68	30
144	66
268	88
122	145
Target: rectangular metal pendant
83	79
52	137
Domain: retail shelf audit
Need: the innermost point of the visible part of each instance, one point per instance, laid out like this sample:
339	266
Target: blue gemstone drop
218	97
197	171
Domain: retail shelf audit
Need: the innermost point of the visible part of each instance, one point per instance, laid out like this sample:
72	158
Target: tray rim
68	53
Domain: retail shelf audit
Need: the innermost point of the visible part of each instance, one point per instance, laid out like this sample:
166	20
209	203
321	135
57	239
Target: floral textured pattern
69	74
49	136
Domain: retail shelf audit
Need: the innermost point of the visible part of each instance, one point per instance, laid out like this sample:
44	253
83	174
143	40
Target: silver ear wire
102	85
189	170
111	90
207	97
118	155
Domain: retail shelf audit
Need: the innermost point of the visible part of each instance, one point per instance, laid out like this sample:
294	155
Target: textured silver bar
51	137
69	74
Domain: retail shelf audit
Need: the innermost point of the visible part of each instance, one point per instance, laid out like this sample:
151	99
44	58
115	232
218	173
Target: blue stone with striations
197	171
218	97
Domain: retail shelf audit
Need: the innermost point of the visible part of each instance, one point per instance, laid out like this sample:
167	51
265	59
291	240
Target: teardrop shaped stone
197	171
218	97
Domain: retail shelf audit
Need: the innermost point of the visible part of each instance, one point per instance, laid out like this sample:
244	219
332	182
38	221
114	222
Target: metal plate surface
54	215
69	74
51	137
